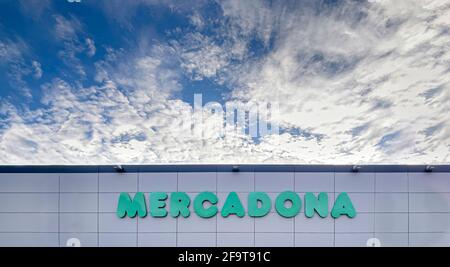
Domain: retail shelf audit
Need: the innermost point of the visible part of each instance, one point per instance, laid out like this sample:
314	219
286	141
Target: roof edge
219	168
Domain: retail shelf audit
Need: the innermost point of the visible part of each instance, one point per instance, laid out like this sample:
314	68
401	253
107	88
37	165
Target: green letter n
319	204
130	207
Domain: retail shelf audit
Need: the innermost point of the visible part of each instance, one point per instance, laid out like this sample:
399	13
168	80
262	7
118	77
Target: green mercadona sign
287	204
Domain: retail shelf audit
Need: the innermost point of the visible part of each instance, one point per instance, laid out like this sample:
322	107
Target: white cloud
90	46
371	79
201	57
9	51
361	65
13	55
37	69
67	30
197	20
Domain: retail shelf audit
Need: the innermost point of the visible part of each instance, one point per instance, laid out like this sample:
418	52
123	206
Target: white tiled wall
196	239
47	209
118	182
29	183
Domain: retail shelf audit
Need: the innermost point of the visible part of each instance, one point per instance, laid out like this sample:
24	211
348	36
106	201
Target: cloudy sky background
103	82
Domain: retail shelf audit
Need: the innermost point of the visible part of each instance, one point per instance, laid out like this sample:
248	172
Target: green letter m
130	207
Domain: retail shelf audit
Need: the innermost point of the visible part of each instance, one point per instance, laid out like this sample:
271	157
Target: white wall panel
398	208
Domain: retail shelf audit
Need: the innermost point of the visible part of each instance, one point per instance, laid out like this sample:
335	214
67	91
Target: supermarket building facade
329	205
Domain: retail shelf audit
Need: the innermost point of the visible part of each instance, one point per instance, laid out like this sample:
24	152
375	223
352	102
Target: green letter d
254	198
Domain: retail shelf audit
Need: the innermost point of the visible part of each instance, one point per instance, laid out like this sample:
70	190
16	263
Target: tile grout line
272	212
176	221
374	202
407	186
59	210
254	221
334	196
294	216
156	232
98	207
216	216
225	192
137	217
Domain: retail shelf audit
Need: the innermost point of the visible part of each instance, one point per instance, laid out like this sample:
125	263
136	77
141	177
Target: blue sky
100	82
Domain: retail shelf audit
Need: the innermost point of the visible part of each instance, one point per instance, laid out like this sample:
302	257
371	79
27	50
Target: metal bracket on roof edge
356	168
119	168
429	168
